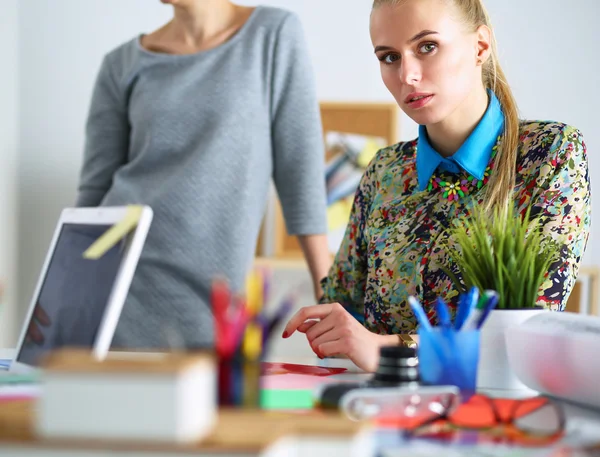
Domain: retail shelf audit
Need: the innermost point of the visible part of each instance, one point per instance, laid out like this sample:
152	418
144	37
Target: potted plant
507	252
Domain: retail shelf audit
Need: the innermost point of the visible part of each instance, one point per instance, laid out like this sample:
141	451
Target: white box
172	398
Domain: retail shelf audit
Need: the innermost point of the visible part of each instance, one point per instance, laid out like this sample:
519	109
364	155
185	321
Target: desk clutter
231	402
161	404
204	403
235	431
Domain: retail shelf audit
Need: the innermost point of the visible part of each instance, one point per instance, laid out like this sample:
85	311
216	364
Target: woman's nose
410	71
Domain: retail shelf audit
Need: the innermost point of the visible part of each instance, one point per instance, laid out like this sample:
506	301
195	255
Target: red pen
220	299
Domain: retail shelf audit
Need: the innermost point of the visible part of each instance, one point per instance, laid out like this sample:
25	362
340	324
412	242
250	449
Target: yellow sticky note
114	234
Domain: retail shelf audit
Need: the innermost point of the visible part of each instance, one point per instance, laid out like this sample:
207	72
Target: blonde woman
439	61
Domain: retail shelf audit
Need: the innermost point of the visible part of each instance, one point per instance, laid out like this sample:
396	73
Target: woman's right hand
331	330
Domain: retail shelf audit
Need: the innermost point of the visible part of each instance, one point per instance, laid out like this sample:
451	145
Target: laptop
77	301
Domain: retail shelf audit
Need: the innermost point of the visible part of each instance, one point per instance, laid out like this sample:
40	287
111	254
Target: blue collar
474	154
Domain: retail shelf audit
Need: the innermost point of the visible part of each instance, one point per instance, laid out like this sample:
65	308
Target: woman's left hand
337	332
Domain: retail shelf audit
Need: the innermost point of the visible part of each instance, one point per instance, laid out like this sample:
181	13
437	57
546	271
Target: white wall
8	167
61	44
549	48
549	53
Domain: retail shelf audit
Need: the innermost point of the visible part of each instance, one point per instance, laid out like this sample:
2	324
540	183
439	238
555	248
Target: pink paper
294	381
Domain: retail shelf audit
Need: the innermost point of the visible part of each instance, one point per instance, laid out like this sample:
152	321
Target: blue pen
474	318
493	298
466	305
461	311
443	314
474	297
419	313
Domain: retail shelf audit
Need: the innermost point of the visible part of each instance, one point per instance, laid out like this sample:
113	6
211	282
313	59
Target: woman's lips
418	101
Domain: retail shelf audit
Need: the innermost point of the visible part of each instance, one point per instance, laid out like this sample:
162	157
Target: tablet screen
74	294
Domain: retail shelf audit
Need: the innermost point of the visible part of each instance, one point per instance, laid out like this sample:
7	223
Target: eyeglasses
427	410
534	421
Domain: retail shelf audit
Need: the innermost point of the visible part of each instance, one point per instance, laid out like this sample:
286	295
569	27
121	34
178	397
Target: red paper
269	368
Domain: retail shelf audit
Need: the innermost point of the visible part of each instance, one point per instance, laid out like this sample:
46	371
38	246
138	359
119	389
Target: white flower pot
494	371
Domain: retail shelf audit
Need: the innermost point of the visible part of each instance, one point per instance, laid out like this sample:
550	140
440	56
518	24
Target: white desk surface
583	425
6	354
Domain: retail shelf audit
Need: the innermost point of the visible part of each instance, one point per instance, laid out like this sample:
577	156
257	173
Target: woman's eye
390	58
427	48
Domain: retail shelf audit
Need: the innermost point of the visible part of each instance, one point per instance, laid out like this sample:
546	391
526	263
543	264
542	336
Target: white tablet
77	301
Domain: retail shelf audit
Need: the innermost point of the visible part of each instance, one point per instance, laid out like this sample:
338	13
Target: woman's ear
484	44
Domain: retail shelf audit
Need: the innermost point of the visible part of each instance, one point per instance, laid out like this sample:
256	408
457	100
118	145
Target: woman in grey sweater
194	119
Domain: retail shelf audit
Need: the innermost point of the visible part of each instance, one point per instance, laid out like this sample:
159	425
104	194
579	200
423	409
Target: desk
583	425
6	354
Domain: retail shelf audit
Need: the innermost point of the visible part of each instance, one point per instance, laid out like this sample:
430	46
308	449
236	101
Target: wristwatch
407	341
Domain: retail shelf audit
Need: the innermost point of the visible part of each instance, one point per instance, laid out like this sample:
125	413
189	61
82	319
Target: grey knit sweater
198	137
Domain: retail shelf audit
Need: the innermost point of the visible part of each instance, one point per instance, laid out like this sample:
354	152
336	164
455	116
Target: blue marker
443	314
472	322
419	313
493	298
473	297
461	311
466	305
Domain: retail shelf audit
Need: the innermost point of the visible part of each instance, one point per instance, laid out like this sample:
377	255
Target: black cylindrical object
398	366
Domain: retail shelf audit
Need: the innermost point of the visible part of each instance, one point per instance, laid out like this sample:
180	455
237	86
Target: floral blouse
392	249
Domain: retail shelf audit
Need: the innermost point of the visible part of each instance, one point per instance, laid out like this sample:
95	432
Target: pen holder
239	383
447	357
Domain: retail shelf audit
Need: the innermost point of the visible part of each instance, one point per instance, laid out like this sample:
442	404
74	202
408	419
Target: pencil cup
239	383
447	357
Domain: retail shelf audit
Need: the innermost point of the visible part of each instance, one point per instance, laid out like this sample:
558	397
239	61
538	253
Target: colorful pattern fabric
392	247
455	188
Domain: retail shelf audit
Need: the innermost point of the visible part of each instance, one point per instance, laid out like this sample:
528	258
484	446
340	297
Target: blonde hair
502	182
